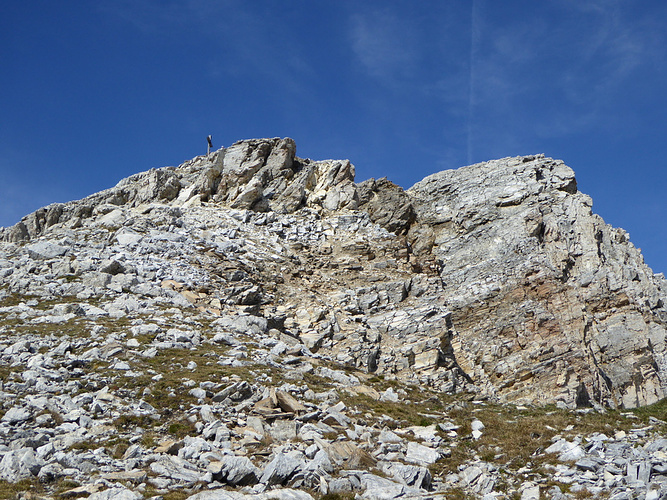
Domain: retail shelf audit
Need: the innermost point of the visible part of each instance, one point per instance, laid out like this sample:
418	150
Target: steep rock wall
550	302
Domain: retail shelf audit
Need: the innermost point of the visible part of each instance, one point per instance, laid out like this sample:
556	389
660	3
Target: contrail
471	79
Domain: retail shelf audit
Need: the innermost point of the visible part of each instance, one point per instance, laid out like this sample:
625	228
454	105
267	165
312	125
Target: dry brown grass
33	488
404	413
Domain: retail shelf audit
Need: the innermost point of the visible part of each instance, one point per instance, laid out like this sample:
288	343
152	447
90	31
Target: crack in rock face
223	321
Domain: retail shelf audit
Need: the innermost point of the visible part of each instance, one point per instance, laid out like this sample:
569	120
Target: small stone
233	470
420	454
198	393
15	415
587	464
389	395
46	250
387	436
288	404
530	491
115	494
470	474
476	425
281	468
19	464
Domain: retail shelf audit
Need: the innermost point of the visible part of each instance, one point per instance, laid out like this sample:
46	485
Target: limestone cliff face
495	278
549	301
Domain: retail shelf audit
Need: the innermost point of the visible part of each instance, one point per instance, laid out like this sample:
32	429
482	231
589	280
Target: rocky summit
251	324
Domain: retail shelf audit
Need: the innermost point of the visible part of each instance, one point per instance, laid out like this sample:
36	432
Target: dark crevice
599	236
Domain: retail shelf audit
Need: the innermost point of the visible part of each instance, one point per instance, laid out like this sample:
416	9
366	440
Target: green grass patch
12	490
148	440
6	371
33	488
116	446
513	438
14	299
127	423
657	410
404	413
85	446
337	496
181	428
171	495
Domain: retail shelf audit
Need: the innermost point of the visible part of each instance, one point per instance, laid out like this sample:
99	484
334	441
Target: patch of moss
657	410
405	413
117	446
127	423
181	428
66	484
459	494
5	372
14	299
84	446
337	496
148	440
13	490
171	495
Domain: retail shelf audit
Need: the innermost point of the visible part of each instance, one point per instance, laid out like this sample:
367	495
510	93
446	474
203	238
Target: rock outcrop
251	324
551	303
495	278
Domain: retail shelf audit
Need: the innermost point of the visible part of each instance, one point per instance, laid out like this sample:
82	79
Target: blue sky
92	92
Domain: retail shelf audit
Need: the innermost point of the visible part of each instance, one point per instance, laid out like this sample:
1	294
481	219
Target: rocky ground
254	325
163	401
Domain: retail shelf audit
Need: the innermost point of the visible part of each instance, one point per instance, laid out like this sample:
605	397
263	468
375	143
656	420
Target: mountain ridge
257	321
510	226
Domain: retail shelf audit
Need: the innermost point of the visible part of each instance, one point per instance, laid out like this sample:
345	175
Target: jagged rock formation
257	321
495	278
550	302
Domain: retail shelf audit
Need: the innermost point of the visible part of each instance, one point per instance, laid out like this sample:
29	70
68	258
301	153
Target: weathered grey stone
476	425
45	250
387	436
389	395
217	495
567	450
282	494
530	491
176	468
281	468
247	324
387	204
410	475
419	454
236	471
283	430
16	415
587	464
19	464
115	494
379	488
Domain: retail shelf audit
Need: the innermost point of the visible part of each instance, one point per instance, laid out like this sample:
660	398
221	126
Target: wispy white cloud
383	43
558	74
242	43
162	17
